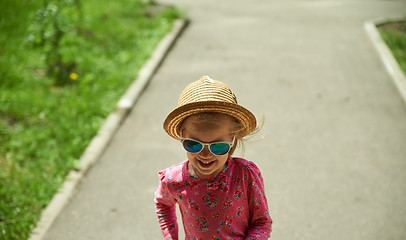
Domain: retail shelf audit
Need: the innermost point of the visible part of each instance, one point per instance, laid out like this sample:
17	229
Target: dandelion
74	76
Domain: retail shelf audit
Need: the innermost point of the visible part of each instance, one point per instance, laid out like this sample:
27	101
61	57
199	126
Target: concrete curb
106	132
385	54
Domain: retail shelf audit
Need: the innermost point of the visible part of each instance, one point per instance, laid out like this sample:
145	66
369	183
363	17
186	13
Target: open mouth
206	164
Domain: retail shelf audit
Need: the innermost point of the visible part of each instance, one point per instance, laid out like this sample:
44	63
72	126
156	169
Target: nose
205	152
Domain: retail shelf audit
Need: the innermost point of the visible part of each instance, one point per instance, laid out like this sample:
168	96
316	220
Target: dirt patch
399	26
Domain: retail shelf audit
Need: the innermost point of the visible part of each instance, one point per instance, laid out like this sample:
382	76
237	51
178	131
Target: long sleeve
165	205
260	222
230	205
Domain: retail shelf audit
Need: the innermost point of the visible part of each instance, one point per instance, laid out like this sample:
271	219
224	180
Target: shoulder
172	173
247	168
245	164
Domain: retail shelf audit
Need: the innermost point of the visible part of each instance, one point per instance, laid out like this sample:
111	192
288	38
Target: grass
44	128
394	35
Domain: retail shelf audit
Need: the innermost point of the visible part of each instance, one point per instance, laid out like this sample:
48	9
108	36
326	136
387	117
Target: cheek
190	155
222	159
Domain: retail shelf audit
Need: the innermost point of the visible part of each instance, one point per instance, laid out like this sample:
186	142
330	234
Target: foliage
394	35
54	30
45	127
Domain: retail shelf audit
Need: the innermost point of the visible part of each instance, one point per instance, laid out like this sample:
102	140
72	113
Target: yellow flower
73	76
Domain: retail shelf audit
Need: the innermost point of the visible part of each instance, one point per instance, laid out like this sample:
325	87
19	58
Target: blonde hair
210	120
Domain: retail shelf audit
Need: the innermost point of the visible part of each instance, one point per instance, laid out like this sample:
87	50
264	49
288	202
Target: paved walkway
332	149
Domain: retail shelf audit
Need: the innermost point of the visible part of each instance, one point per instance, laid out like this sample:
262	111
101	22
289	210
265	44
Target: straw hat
207	95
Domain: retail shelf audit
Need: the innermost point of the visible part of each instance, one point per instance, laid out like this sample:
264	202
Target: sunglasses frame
231	144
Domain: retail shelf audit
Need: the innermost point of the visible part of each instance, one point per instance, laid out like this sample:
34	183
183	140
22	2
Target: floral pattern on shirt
231	205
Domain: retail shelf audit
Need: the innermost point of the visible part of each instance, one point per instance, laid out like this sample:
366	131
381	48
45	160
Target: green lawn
394	35
44	127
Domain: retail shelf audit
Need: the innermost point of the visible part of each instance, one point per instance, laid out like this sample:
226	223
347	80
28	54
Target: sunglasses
217	148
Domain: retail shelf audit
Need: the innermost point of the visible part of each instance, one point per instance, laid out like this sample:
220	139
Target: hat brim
176	117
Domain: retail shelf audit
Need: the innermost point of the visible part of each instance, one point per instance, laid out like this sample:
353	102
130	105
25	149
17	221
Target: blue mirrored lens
219	148
192	146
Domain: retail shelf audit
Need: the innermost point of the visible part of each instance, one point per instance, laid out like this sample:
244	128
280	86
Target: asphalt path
332	147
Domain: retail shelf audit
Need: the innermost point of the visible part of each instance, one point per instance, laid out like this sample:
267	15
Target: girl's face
205	163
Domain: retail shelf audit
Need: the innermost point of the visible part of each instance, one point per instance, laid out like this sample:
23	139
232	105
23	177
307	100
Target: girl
220	197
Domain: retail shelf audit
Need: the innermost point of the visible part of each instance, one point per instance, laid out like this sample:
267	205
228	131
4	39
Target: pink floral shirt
231	205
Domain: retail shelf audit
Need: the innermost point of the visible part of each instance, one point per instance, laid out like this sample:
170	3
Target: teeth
205	162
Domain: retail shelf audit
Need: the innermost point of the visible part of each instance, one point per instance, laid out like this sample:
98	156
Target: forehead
208	128
209	120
